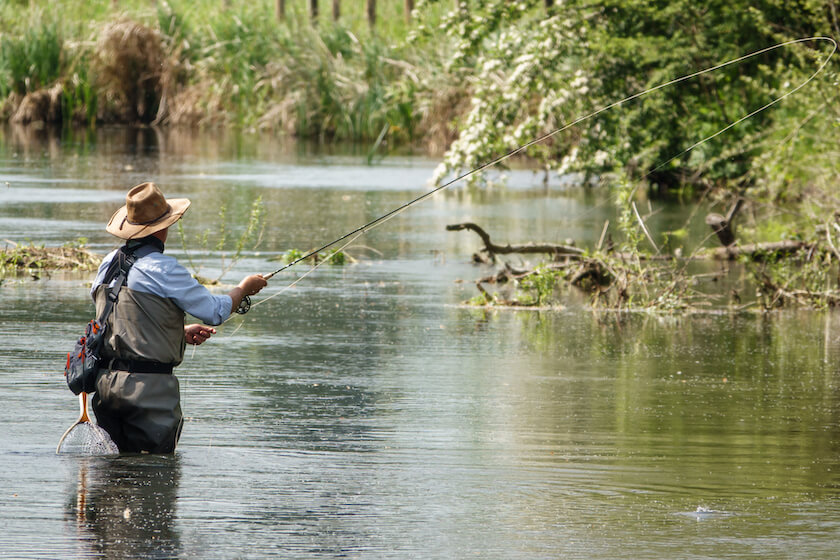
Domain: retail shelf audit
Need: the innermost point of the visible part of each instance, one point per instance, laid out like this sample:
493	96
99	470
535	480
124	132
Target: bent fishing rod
351	236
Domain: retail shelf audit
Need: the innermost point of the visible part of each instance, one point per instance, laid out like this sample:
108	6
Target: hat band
150	222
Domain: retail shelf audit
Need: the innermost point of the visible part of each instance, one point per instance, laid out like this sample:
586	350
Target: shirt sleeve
194	298
163	276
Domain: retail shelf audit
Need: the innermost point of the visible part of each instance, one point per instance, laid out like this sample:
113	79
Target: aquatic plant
70	256
336	258
250	238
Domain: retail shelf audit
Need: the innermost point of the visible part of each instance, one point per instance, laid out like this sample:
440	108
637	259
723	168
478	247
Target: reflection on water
125	507
366	414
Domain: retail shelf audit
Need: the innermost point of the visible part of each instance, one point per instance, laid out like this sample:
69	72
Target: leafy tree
532	70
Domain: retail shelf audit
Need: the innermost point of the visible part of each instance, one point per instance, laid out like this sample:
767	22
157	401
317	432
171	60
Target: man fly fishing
137	397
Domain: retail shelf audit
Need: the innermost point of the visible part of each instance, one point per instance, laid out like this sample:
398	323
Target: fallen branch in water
754	251
632	279
492	249
758	251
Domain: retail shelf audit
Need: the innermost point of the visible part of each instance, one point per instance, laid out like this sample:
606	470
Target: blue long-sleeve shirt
162	275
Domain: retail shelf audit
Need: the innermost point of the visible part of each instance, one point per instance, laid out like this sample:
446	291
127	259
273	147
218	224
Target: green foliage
494	74
79	103
536	72
338	258
30	61
481	300
540	287
292	255
809	280
249	238
522	73
223	63
628	224
295	255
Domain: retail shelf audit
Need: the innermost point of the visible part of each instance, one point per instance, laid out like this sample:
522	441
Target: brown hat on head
146	211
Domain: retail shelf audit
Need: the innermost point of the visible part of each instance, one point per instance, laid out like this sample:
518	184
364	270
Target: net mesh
86	438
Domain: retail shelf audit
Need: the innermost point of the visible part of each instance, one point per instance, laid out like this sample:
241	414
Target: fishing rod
245	304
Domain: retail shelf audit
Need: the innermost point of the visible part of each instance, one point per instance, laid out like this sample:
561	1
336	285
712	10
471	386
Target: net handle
83	417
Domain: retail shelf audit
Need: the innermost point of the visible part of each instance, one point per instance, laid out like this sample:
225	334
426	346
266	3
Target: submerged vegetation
624	276
334	257
474	80
32	259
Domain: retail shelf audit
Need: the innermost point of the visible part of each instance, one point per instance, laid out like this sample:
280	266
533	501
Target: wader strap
120	266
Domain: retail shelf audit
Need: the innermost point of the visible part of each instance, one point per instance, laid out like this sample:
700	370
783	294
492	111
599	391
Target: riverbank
474	81
208	64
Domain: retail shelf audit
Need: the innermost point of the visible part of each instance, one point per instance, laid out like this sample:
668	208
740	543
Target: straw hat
146	211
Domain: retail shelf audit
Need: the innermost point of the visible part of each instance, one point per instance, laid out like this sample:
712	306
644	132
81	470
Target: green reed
30	61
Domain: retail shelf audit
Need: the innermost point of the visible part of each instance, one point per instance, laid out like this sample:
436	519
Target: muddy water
365	414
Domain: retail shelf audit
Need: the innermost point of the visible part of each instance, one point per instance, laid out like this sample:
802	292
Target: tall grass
222	63
30	61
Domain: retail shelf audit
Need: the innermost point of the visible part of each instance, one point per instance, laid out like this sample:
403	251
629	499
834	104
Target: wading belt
139	366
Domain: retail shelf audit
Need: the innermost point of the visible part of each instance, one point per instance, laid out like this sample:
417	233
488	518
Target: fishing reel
244	305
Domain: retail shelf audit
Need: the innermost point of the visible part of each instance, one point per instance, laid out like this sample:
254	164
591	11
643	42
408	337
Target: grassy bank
206	63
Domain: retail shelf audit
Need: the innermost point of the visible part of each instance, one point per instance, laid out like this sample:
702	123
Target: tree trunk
313	10
409	7
371	13
280	9
336	9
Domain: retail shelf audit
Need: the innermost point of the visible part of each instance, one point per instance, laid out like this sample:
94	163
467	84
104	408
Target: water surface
366	414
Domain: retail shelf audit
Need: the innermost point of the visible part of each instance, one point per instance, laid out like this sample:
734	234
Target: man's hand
196	334
249	286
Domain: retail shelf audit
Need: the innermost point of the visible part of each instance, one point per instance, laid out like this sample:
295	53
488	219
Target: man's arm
250	285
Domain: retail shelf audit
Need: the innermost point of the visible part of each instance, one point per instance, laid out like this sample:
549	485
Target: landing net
86	438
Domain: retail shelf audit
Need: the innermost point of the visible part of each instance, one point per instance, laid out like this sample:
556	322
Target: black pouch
83	362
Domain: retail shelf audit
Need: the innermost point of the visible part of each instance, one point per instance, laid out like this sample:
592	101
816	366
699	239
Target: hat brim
120	226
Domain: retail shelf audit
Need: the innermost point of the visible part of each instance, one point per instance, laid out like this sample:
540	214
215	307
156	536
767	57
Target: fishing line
351	236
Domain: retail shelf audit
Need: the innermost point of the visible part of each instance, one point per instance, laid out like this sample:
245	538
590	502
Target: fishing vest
143	326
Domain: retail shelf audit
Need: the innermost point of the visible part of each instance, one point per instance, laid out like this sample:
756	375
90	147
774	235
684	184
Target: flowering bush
532	70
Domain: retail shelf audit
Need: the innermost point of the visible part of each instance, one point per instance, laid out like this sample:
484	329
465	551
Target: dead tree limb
532	248
758	251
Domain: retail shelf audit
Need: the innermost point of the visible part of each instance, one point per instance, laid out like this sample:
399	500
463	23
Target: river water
365	413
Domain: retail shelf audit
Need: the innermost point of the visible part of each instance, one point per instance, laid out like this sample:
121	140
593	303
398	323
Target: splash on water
86	438
702	513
